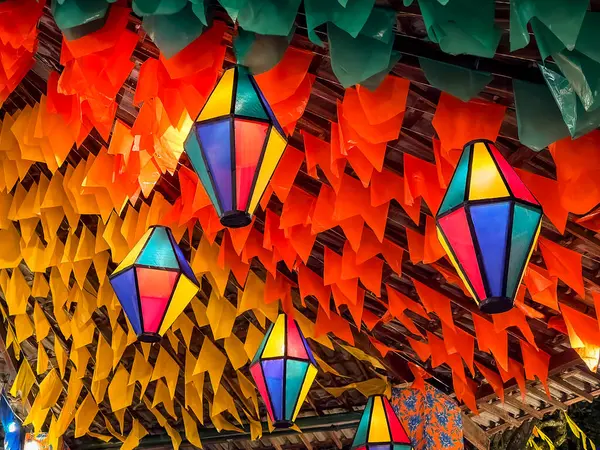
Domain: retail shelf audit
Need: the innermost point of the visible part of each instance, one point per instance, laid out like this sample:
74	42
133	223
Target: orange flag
541	286
577	171
334	323
514	318
564	264
422	349
490	340
310	283
494	379
416	245
421	180
457	122
435	302
536	363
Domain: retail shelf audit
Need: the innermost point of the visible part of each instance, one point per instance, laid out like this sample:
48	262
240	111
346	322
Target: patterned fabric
432	420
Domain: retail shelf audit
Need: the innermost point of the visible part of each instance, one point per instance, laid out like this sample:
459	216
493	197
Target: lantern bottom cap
496	305
149	337
283	424
236	219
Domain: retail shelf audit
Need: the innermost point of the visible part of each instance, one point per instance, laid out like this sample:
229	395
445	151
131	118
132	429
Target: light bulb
32	445
12	427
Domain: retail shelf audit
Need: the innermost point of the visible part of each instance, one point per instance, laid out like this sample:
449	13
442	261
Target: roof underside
570	380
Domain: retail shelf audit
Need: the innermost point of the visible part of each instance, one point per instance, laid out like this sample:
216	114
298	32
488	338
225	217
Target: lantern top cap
479	140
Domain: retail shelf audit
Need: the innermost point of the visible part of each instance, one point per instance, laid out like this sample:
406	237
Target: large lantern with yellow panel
488	224
379	428
154	283
235	145
283	369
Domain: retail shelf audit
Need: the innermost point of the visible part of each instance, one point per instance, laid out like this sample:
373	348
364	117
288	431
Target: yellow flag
120	393
161	395
193	399
224	402
248	390
17	294
327	368
199	312
135	435
104	356
119	344
99	389
221	423
40	286
10	250
42	359
23	327
42	326
211	360
61	356
191	429
24	381
235	351
186	327
100	261
367	388
141	371
253	295
359	354
80	358
190	365
50	389
166	367
253	339
85	415
221	316
111	430
67	413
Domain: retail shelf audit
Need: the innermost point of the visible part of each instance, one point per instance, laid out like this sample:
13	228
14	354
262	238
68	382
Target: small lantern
379	428
235	145
488	224
283	369
154	284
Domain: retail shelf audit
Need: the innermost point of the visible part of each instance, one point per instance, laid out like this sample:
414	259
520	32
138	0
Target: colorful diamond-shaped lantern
283	369
379	428
235	145
154	283
488	224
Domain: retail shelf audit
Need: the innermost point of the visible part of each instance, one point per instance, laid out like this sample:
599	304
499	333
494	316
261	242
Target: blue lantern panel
525	225
183	264
491	222
215	141
295	372
124	285
158	251
192	149
455	194
360	438
380	447
273	370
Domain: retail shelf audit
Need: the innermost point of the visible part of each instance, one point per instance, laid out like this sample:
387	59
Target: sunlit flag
154	284
488	224
283	369
235	145
379	427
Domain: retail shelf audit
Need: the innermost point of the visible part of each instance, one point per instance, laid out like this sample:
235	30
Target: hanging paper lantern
283	369
379	427
235	145
488	224
154	284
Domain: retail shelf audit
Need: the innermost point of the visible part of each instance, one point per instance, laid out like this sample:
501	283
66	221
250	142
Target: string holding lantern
235	145
154	283
488	223
379	428
283	369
